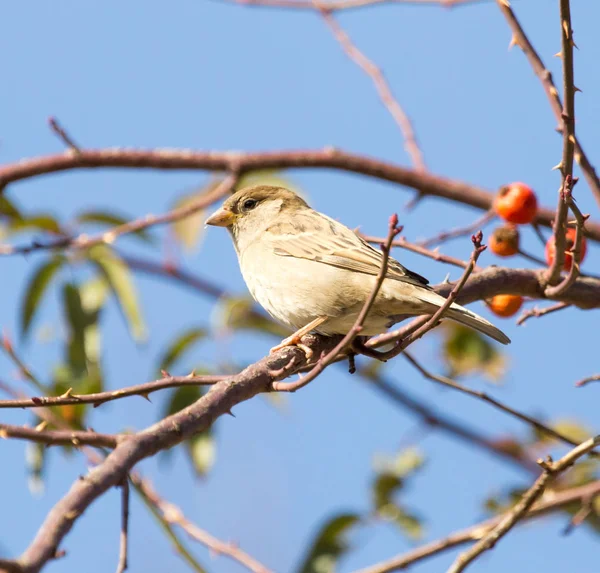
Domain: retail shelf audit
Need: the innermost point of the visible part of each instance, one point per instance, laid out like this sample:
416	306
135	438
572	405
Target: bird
314	274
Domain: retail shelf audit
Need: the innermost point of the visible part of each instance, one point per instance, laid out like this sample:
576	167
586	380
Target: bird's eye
249	204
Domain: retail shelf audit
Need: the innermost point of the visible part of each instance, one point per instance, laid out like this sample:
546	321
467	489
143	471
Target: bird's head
250	211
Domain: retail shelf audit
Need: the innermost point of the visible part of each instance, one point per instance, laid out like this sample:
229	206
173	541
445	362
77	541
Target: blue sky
208	75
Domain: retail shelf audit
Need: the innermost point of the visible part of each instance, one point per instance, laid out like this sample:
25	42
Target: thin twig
587	380
557	500
347	340
559	233
95	458
174	516
520	39
425	183
587	506
381	85
101	397
440	421
444	236
122	564
58	437
85	241
338	5
420	250
532	258
62	134
167	527
537	312
168	270
8	347
568	110
575	252
445	381
420	327
512	517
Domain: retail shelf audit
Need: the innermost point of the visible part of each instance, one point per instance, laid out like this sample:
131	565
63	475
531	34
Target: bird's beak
222	218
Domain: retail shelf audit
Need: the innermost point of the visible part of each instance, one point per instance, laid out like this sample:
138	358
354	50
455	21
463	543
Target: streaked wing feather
318	238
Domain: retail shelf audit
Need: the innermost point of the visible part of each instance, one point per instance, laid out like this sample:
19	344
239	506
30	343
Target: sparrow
312	273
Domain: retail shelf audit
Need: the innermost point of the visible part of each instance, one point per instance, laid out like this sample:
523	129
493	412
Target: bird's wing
318	238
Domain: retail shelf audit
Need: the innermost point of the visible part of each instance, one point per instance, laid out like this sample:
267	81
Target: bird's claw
294	341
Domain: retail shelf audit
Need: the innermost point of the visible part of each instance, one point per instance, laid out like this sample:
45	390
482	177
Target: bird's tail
461	314
465	316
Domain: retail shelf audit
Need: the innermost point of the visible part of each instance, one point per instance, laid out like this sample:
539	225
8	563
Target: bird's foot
294	340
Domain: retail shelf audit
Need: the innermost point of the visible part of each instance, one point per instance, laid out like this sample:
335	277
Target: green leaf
202	452
201	447
402	465
8	209
240	314
76	320
384	487
466	351
181	398
181	345
329	545
119	278
409	524
388	482
407	462
35	289
93	295
109	219
40	222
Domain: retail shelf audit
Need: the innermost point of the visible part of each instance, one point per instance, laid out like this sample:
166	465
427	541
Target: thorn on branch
62	134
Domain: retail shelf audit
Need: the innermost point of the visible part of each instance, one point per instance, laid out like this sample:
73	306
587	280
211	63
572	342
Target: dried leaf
189	230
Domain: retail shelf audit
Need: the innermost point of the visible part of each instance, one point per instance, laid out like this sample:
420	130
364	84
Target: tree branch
84	241
538	312
510	519
122	564
556	501
443	423
59	437
174	516
339	5
101	397
545	77
381	85
162	435
448	382
240	162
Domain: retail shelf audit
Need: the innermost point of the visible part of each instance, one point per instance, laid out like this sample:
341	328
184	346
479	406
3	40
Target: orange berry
516	203
550	249
505	304
504	241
